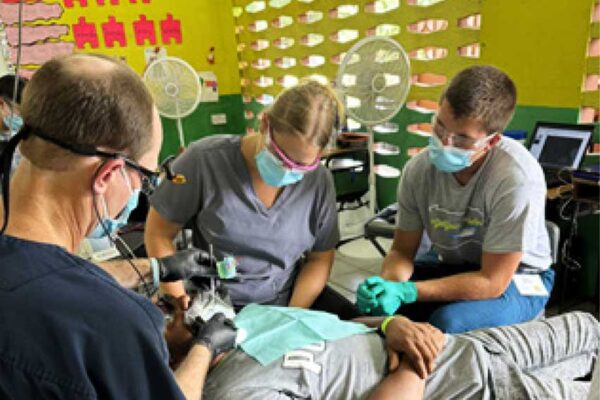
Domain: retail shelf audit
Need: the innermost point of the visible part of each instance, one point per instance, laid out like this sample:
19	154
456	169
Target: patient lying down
287	353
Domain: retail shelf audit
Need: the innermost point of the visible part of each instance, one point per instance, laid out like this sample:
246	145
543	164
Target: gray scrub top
268	244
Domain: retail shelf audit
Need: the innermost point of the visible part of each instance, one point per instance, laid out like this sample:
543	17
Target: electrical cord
127	257
18	63
561	210
566	259
560	173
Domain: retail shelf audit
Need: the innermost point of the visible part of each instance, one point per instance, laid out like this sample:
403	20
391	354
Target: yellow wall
204	23
541	45
450	38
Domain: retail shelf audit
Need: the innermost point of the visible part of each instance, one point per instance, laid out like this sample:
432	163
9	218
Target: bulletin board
129	29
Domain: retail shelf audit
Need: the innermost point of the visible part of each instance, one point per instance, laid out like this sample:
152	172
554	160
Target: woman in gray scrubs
264	199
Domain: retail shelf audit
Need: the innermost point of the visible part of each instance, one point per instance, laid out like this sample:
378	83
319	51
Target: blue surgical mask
13	122
110	225
273	173
114	224
448	159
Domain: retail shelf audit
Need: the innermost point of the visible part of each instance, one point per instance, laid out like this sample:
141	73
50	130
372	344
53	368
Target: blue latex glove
378	296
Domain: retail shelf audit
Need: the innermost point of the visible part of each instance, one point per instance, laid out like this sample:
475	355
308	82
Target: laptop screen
558	146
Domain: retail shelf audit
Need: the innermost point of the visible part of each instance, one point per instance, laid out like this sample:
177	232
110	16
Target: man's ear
107	171
264	124
4	107
495	139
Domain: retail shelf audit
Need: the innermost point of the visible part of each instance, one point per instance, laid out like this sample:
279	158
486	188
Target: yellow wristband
386	322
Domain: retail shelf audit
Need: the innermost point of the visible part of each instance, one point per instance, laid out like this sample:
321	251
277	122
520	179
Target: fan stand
181	137
372	186
377	86
180	130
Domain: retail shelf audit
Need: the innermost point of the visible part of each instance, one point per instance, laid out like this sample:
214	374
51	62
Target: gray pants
541	359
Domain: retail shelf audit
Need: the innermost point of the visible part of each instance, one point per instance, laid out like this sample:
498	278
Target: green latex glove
378	296
393	295
366	294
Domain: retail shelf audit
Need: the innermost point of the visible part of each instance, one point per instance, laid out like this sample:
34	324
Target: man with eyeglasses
68	330
480	197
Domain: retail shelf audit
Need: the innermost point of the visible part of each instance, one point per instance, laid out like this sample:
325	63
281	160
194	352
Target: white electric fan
176	89
373	80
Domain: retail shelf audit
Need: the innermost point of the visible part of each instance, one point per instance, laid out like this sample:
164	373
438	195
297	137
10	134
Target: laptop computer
559	147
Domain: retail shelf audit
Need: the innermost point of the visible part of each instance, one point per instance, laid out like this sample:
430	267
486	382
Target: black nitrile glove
185	264
217	334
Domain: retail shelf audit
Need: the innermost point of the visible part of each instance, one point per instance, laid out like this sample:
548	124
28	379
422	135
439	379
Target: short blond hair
310	110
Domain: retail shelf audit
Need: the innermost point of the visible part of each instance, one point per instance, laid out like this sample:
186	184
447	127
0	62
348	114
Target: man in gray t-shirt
480	198
535	360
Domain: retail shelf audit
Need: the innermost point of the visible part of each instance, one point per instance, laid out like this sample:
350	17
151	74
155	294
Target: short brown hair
86	100
483	93
310	110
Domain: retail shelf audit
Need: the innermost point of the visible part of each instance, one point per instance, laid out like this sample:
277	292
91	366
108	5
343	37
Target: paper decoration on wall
84	3
32	34
210	90
170	29
85	33
144	30
113	31
9	13
57	28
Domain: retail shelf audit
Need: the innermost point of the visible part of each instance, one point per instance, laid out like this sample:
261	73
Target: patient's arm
192	371
404	383
420	342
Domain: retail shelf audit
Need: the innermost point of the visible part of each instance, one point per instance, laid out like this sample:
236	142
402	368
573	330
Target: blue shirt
68	330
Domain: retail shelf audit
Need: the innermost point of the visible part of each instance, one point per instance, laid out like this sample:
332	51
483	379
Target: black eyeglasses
150	179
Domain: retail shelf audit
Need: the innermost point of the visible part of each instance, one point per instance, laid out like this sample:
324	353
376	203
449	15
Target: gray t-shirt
267	243
516	362
500	210
349	368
